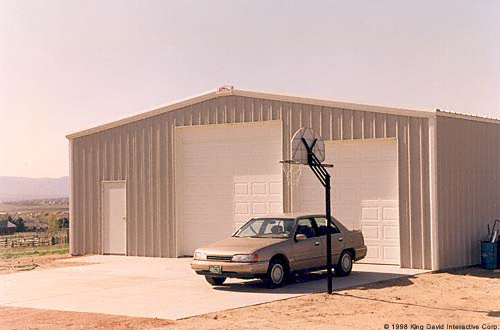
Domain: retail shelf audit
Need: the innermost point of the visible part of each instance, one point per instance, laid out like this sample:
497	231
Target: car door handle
316	243
341	238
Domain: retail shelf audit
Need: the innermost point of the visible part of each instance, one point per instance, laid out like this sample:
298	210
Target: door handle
316	243
341	238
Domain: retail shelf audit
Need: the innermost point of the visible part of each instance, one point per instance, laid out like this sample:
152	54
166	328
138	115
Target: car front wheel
344	267
215	280
276	274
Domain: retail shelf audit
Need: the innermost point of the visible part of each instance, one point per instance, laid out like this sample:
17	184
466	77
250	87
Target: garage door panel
242	208
199	199
275	188
373	252
371	231
348	172
259	209
390	213
204	233
241	188
225	175
276	208
391	253
363	171
387	241
369	213
261	197
368	172
391	232
207	212
368	191
346	216
347	195
346	155
259	188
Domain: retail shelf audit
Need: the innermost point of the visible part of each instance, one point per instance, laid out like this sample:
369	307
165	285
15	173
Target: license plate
215	269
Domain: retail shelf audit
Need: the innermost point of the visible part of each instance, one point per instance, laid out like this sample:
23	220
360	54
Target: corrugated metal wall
142	154
468	187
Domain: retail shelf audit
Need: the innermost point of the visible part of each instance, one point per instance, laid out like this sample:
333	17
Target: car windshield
266	227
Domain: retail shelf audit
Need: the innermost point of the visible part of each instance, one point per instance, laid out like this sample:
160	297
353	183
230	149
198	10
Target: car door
337	240
306	252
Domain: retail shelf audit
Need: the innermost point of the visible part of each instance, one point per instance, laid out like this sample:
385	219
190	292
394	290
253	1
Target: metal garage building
421	185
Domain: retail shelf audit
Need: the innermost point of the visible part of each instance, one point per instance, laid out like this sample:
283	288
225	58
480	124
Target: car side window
306	227
322	226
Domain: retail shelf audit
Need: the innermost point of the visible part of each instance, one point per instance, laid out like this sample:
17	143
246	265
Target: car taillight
255	258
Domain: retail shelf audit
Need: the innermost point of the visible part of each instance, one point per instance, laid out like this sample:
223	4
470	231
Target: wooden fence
35	239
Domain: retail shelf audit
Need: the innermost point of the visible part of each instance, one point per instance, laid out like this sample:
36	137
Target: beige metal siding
468	181
142	153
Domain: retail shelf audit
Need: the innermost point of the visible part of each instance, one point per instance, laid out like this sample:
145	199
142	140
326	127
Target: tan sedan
272	248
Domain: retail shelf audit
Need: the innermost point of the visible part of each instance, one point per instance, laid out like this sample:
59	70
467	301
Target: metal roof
464	116
6	224
246	93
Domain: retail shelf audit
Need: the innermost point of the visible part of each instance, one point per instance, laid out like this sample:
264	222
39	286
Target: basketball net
292	173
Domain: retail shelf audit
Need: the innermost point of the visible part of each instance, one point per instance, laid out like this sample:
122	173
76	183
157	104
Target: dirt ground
459	298
35	262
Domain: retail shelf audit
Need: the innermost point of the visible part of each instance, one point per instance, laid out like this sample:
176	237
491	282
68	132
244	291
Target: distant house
7	227
35	225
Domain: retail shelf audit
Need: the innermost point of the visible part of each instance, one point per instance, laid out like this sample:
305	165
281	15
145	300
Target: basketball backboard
299	150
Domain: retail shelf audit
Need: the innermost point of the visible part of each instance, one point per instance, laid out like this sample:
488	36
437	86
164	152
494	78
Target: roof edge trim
158	110
442	113
336	104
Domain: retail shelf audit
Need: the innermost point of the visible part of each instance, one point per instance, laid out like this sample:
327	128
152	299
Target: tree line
54	224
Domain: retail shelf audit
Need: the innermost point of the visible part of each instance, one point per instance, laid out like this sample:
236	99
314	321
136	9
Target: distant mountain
18	188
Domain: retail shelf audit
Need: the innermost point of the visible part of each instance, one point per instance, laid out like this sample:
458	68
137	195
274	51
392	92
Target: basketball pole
328	236
324	177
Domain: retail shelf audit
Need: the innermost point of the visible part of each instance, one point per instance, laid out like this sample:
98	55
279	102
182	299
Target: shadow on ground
476	271
317	282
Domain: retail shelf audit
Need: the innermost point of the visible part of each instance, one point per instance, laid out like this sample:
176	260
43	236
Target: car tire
215	280
344	267
277	274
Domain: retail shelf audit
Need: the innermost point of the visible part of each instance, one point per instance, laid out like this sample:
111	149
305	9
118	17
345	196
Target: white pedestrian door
114	218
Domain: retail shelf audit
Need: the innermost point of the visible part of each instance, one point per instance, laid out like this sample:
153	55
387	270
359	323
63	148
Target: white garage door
225	174
365	174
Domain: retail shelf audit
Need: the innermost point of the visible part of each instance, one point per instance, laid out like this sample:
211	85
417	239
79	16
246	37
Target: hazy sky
69	65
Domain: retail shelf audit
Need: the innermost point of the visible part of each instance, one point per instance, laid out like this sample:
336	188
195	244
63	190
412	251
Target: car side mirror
300	237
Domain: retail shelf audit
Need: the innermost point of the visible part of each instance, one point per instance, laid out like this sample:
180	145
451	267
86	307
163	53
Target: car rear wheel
276	274
344	266
215	280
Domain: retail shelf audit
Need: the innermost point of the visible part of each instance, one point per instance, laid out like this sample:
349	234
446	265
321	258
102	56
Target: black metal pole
328	235
324	177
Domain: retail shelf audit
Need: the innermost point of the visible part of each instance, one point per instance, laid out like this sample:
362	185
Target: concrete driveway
158	288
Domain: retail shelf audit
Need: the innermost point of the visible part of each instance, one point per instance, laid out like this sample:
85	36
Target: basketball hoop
307	148
299	151
306	138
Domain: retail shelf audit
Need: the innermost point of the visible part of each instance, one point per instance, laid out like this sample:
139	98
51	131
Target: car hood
239	245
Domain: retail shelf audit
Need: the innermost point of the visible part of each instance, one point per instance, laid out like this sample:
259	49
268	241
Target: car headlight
245	258
200	255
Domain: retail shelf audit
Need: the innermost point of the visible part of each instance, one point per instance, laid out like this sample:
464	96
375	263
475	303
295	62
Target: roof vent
225	89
